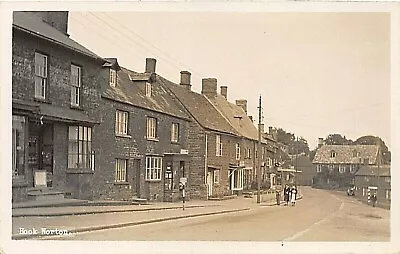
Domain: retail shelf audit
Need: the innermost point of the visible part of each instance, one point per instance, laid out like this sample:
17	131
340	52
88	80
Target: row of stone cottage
92	129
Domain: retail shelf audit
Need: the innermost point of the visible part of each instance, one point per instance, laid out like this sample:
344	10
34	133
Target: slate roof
133	93
344	154
29	23
384	170
201	109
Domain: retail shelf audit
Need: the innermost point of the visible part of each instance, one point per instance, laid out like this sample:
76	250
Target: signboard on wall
184	151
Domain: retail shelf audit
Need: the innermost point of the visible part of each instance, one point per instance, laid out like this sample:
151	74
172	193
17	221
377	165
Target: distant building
372	179
336	164
304	164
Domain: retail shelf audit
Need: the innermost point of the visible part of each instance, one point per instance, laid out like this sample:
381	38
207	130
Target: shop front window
18	146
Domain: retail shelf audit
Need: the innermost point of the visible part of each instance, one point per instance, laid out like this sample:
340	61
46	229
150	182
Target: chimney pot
150	65
224	91
185	79
320	142
209	87
242	104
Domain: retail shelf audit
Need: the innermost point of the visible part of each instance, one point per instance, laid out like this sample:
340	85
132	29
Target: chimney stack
242	104
209	87
224	91
185	80
56	19
150	65
320	142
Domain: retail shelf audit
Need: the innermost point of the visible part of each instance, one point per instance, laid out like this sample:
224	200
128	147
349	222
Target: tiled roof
384	170
201	109
29	23
346	154
133	93
236	117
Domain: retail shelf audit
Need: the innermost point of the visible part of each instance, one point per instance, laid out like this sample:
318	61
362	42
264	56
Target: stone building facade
55	103
143	132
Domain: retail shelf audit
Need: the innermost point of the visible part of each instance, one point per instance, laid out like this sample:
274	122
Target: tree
337	139
294	146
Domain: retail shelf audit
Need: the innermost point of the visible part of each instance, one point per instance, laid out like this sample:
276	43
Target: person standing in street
278	197
286	194
373	200
293	196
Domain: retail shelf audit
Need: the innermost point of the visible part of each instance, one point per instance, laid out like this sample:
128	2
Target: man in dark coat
286	194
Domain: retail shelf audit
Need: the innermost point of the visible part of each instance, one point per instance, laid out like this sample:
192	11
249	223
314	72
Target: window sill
123	135
77	107
121	183
42	100
153	180
79	171
153	139
175	142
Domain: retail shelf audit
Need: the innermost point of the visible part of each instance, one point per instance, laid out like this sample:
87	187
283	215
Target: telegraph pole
379	163
259	153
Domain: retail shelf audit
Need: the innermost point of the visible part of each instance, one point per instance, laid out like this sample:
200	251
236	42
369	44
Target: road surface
320	216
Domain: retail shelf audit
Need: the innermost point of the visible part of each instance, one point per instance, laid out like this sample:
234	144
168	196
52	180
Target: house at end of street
336	164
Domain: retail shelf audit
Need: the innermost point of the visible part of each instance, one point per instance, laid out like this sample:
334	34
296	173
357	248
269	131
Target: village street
319	216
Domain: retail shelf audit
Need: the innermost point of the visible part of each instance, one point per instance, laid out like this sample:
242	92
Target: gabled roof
201	109
31	24
112	62
133	93
236	117
384	170
346	154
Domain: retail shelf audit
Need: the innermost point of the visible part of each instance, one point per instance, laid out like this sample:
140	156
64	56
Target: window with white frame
175	132
151	128
80	154
120	170
333	154
353	168
237	179
75	84
153	168
342	168
113	77
148	89
331	167
237	151
388	194
319	168
248	153
40	75
216	176
121	122
218	143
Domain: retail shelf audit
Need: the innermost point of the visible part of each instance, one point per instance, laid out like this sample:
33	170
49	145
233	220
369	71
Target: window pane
73	132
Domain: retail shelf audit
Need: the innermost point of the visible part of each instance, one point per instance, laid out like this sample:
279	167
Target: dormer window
113	77
148	89
354	154
333	154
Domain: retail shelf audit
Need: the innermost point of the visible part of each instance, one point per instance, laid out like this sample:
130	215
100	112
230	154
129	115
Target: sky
317	73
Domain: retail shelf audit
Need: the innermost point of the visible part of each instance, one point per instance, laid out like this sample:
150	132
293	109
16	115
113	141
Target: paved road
319	216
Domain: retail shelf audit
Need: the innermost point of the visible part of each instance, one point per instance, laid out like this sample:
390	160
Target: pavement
29	222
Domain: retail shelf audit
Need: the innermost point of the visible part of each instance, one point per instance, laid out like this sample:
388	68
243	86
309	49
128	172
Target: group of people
289	195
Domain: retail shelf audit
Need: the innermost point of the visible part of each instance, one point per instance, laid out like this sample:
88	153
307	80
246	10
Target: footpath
49	222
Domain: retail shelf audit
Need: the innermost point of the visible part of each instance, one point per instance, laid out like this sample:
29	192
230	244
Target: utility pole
379	162
259	153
